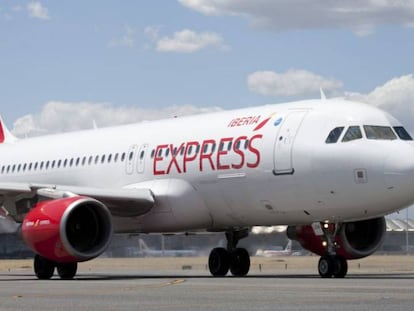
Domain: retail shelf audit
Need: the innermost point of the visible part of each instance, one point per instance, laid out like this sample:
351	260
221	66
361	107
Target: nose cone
399	173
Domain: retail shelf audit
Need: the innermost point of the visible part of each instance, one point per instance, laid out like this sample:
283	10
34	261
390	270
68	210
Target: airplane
329	169
287	251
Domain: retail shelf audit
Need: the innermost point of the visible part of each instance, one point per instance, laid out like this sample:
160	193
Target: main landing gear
235	259
45	268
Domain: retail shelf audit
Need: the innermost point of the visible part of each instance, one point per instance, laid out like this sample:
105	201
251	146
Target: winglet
323	96
5	135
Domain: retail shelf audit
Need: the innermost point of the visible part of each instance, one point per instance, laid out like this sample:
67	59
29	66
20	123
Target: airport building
398	240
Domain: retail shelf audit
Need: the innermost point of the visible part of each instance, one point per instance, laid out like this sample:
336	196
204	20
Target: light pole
406	231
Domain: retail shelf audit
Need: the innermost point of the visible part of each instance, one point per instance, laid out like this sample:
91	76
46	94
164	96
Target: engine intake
69	229
354	240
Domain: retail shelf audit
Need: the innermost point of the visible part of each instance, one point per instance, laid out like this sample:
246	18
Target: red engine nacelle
353	240
69	229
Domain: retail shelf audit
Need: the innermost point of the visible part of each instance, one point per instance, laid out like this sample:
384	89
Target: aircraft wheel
67	271
340	268
219	261
239	262
43	268
326	266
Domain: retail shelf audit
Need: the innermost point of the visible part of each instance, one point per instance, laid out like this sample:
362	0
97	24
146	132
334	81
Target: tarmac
279	283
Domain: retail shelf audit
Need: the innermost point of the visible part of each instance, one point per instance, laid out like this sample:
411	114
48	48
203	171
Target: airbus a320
330	169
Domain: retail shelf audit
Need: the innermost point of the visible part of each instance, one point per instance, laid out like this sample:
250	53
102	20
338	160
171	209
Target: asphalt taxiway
184	284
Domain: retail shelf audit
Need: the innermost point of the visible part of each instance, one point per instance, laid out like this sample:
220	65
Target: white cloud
58	116
395	96
37	10
360	16
291	83
188	41
152	32
126	40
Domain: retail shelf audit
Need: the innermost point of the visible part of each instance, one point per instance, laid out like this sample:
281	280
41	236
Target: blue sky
92	52
125	61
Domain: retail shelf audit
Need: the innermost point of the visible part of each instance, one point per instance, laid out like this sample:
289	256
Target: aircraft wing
17	198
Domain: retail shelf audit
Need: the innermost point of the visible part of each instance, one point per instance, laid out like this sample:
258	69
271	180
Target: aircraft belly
178	207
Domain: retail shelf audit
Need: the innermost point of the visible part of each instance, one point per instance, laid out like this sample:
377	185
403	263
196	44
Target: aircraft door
130	159
284	143
142	152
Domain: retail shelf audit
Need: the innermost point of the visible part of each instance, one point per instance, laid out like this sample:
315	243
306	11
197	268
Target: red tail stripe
1	133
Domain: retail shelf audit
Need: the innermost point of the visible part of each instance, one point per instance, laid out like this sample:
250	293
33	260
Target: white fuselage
268	165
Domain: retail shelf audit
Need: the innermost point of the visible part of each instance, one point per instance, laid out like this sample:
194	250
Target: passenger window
402	133
353	133
334	135
379	132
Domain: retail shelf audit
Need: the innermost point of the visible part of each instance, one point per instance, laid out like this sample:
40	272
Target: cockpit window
334	135
353	132
402	133
379	132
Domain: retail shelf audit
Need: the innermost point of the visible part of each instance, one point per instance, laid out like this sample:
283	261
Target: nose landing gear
332	265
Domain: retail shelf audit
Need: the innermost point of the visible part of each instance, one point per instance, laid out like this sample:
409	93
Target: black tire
340	267
239	262
43	268
67	271
219	262
326	266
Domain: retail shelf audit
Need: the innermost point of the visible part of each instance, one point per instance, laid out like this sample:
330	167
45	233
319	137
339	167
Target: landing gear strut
45	268
332	265
235	259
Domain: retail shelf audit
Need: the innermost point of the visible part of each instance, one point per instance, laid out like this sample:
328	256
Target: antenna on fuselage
323	96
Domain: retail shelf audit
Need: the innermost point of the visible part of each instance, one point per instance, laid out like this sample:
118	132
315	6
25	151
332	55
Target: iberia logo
253	120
